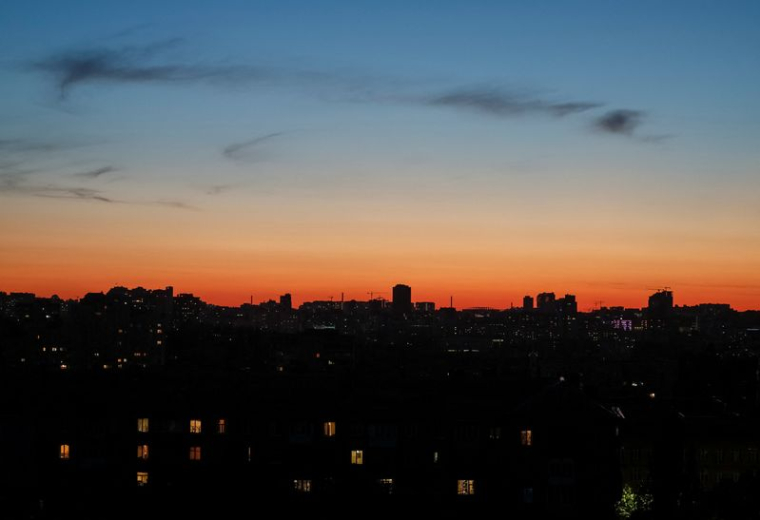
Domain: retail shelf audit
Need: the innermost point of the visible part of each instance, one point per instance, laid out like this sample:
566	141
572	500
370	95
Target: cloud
148	63
23	146
217	189
14	186
244	151
177	204
94	174
135	64
621	122
500	103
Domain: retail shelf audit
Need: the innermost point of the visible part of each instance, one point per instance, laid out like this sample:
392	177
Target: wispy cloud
135	64
501	103
246	150
21	175
148	63
14	186
176	204
217	189
94	174
26	146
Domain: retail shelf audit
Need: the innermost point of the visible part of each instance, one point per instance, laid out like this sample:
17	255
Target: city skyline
529	301
479	150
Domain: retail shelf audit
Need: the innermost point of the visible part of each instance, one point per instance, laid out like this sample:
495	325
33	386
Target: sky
480	150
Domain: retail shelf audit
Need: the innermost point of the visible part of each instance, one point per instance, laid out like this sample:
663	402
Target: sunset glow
362	148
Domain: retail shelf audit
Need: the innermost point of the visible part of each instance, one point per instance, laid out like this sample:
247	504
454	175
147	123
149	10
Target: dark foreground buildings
140	403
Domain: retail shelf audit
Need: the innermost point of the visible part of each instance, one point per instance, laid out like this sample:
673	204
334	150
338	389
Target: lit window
65	452
526	437
436	457
221	426
302	486
195	426
386	484
330	429
195	453
465	487
142	423
250	453
357	457
142	451
142	478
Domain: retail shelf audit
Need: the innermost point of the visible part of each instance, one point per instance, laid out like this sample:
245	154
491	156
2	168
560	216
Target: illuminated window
142	478
526	437
386	484
436	457
221	426
357	457
330	429
250	453
302	486
142	424
465	487
195	426
65	452
195	453
142	451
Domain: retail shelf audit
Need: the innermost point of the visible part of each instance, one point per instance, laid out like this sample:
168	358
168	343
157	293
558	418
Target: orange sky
474	247
56	246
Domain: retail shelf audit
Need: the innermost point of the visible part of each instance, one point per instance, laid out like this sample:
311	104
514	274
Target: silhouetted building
402	299
286	302
528	303
567	305
660	304
425	306
546	302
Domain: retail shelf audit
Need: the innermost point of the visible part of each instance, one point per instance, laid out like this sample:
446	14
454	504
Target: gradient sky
480	149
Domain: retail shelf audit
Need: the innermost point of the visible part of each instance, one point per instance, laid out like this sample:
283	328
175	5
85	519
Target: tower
402	299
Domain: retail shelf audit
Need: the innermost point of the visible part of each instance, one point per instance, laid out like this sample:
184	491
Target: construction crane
373	293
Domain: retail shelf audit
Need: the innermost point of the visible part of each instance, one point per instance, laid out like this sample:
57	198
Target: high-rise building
286	302
402	298
546	302
660	304
528	303
568	305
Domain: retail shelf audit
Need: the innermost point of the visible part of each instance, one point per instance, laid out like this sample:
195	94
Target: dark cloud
621	122
135	64
500	103
94	174
244	151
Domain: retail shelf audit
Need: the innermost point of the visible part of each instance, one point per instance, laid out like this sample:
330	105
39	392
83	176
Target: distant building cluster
541	409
